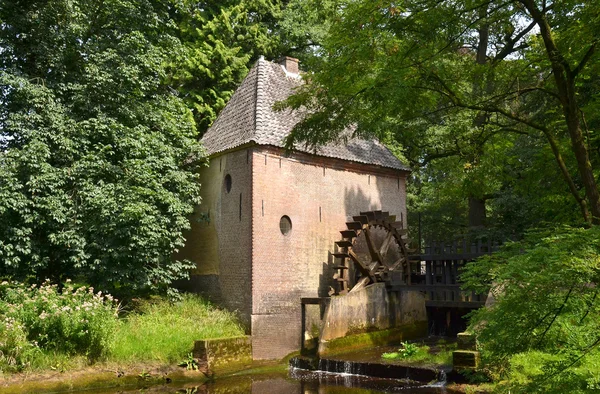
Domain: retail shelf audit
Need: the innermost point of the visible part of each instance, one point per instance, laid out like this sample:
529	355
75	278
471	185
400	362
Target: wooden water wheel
373	249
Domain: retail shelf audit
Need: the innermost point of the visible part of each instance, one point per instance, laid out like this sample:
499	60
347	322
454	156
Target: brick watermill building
265	234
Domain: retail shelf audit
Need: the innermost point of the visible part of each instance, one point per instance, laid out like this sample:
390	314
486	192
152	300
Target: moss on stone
374	338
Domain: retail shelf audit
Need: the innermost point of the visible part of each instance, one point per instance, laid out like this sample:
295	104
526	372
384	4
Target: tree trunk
477	216
565	83
583	159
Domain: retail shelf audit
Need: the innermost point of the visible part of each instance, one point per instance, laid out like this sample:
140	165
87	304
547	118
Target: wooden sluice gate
436	273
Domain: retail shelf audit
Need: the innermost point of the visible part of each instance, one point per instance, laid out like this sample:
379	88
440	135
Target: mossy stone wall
224	355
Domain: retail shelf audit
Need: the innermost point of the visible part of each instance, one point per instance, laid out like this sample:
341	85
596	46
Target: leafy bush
99	159
74	320
16	351
542	334
423	354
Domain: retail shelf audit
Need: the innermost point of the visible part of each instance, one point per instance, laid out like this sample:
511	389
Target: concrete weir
372	316
421	375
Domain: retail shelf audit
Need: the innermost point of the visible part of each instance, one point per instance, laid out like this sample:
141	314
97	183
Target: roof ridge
260	117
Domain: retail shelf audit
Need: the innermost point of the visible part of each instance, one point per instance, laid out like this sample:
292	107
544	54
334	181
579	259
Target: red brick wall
221	247
318	195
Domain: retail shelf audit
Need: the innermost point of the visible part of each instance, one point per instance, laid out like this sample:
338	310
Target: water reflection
294	382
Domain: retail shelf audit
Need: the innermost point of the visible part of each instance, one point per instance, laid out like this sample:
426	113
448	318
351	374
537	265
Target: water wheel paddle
373	245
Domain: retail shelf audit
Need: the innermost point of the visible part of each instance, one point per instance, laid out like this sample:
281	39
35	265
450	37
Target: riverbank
44	329
108	376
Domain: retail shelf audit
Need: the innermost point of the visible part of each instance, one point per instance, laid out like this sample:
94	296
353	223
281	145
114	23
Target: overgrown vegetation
423	354
42	327
164	331
36	320
542	333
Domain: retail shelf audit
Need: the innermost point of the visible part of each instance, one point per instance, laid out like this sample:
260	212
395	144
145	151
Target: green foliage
73	321
189	363
467	93
98	170
542	332
303	28
220	41
164	331
423	354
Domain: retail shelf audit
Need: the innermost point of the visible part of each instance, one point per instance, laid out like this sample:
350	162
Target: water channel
295	381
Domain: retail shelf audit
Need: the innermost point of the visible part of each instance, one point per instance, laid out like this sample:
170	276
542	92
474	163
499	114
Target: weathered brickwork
220	241
318	195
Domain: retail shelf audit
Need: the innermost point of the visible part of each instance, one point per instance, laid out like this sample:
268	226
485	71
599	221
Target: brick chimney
290	64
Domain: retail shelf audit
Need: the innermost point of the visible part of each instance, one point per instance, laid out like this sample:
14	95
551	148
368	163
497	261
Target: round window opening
227	183
285	225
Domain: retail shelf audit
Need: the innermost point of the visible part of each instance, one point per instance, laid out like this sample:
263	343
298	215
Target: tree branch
556	315
586	58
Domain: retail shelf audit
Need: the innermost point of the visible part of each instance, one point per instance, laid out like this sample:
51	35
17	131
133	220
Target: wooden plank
348	233
361	219
340	255
354	225
370	215
454	304
343	244
362	283
397	225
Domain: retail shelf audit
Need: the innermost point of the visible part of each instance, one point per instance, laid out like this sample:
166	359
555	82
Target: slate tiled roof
249	117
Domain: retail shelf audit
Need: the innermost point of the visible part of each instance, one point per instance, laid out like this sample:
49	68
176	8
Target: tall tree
220	42
447	78
99	160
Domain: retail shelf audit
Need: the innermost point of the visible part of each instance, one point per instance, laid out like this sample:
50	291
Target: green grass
164	332
423	355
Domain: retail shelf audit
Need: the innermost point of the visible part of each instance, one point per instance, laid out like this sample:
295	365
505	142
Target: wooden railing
436	271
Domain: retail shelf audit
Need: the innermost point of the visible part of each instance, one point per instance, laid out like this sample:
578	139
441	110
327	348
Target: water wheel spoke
397	263
385	246
363	268
362	282
375	256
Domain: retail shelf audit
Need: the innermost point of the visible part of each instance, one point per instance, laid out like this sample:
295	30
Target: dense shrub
72	320
543	332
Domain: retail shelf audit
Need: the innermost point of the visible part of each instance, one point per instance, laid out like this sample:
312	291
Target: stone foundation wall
223	355
372	309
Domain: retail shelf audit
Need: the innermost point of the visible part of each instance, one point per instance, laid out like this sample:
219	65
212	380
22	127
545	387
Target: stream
295	381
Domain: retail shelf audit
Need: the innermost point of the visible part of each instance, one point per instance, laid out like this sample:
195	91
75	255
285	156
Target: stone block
463	359
466	341
225	354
